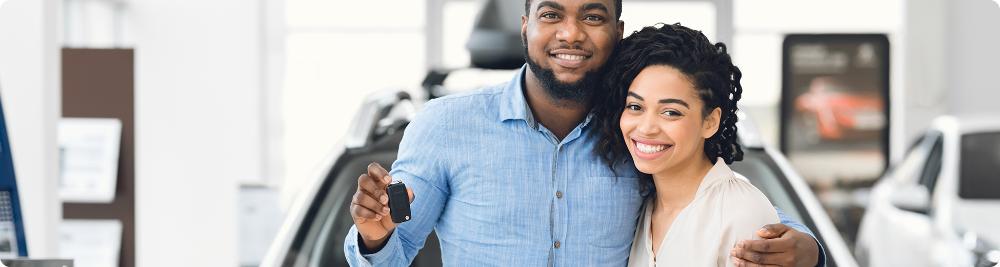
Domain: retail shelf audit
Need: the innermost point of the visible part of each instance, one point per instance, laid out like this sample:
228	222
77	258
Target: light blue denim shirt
501	190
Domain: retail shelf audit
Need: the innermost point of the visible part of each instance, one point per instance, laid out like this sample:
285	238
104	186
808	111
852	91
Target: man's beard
579	92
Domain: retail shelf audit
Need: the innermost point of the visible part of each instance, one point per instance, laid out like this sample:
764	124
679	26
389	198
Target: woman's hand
781	246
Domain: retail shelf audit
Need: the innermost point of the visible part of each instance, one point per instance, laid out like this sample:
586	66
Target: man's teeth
570	57
649	149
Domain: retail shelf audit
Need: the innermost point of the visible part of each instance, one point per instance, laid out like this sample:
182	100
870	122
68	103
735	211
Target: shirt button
556	244
558	194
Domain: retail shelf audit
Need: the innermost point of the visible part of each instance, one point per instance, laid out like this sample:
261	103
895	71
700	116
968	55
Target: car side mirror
912	198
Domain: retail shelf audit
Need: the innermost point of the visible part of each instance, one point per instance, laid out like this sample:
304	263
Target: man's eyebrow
592	6
675	101
635	95
551	4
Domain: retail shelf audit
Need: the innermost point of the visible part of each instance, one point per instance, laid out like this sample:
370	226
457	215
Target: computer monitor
12	242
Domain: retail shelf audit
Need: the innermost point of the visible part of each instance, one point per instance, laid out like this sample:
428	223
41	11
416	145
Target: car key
399	202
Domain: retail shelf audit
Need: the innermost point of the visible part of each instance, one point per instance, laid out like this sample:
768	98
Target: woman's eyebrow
635	95
675	101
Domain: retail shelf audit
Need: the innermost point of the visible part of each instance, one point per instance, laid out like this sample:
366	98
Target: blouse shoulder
739	200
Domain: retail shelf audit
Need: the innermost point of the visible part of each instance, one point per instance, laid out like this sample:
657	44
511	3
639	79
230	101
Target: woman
672	110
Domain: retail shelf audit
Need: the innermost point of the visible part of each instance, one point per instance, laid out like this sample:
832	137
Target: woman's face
662	123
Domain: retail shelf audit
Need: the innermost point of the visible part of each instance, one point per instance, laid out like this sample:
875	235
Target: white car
940	205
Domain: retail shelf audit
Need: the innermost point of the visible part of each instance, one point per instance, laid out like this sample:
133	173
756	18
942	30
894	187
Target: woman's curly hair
708	66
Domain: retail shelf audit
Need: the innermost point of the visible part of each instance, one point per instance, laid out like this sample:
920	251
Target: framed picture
835	105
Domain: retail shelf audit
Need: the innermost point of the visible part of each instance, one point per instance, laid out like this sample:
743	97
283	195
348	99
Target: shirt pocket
603	210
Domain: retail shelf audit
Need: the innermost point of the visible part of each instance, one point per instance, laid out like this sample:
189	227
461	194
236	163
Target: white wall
29	83
338	52
198	126
924	92
973	56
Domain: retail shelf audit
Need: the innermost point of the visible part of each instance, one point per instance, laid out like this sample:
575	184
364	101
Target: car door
902	234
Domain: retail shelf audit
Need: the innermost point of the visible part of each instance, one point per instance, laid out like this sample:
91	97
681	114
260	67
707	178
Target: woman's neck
677	186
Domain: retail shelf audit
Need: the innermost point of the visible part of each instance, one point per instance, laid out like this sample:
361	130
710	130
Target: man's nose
571	33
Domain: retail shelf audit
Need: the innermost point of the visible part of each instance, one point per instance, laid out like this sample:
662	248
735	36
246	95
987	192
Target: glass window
906	171
980	156
932	168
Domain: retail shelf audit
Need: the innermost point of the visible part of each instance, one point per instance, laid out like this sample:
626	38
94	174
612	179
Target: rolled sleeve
802	228
384	257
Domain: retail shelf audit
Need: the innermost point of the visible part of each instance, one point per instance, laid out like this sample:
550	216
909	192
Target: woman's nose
648	124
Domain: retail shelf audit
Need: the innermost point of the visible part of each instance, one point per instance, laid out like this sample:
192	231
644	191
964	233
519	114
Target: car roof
968	123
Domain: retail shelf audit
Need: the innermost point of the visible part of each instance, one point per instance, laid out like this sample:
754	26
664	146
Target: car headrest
495	42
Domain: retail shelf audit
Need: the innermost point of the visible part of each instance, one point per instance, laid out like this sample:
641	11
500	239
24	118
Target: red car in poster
834	113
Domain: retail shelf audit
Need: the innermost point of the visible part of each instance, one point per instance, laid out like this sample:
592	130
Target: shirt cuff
822	254
380	258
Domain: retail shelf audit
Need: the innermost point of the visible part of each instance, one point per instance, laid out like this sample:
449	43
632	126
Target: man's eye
593	18
550	16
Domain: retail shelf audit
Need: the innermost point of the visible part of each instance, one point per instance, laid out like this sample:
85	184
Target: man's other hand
781	246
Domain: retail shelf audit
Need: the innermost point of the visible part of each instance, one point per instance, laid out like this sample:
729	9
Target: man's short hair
618	8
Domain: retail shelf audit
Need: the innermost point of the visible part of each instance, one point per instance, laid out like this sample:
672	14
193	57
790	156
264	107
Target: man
507	175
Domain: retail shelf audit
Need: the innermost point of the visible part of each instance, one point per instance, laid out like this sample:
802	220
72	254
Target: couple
583	159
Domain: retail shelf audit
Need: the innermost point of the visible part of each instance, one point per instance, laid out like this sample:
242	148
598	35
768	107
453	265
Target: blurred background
157	133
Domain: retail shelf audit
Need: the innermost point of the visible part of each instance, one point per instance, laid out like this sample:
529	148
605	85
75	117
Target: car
939	205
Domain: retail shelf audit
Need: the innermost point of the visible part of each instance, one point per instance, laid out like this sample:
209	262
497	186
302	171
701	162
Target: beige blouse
726	209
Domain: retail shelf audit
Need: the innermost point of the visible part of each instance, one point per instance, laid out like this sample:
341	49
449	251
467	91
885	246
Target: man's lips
569	58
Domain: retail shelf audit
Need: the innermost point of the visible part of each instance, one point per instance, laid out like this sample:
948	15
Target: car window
907	170
932	167
980	156
761	170
755	167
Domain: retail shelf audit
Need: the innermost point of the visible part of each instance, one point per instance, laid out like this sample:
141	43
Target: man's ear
621	29
524	31
711	123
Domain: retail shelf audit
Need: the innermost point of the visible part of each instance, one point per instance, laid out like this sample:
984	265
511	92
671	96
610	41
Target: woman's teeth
649	149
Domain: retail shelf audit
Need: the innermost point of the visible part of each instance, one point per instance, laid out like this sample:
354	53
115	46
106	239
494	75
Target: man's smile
569	58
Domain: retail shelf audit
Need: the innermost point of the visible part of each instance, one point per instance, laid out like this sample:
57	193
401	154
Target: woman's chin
646	167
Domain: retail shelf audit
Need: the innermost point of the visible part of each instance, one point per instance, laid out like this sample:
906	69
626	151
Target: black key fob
399	202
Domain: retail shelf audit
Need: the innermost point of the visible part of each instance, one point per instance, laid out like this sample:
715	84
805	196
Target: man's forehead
608	5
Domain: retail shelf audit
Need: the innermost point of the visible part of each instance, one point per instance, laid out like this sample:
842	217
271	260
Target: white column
30	91
198	126
922	94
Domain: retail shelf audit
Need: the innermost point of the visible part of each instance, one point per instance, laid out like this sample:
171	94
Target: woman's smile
650	149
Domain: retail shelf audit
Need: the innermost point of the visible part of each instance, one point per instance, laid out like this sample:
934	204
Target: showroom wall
199	109
972	42
29	83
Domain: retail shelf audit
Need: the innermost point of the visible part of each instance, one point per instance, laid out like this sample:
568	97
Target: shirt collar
513	104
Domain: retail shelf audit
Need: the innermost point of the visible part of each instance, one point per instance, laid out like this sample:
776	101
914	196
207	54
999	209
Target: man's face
570	38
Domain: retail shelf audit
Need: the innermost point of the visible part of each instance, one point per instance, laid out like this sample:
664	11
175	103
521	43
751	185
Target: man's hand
782	246
369	207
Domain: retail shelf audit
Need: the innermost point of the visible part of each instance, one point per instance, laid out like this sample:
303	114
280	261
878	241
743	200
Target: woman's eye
672	113
633	107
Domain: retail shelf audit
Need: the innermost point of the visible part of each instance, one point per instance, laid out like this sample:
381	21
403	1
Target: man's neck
559	116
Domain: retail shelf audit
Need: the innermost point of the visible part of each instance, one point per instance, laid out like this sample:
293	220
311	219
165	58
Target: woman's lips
649	150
